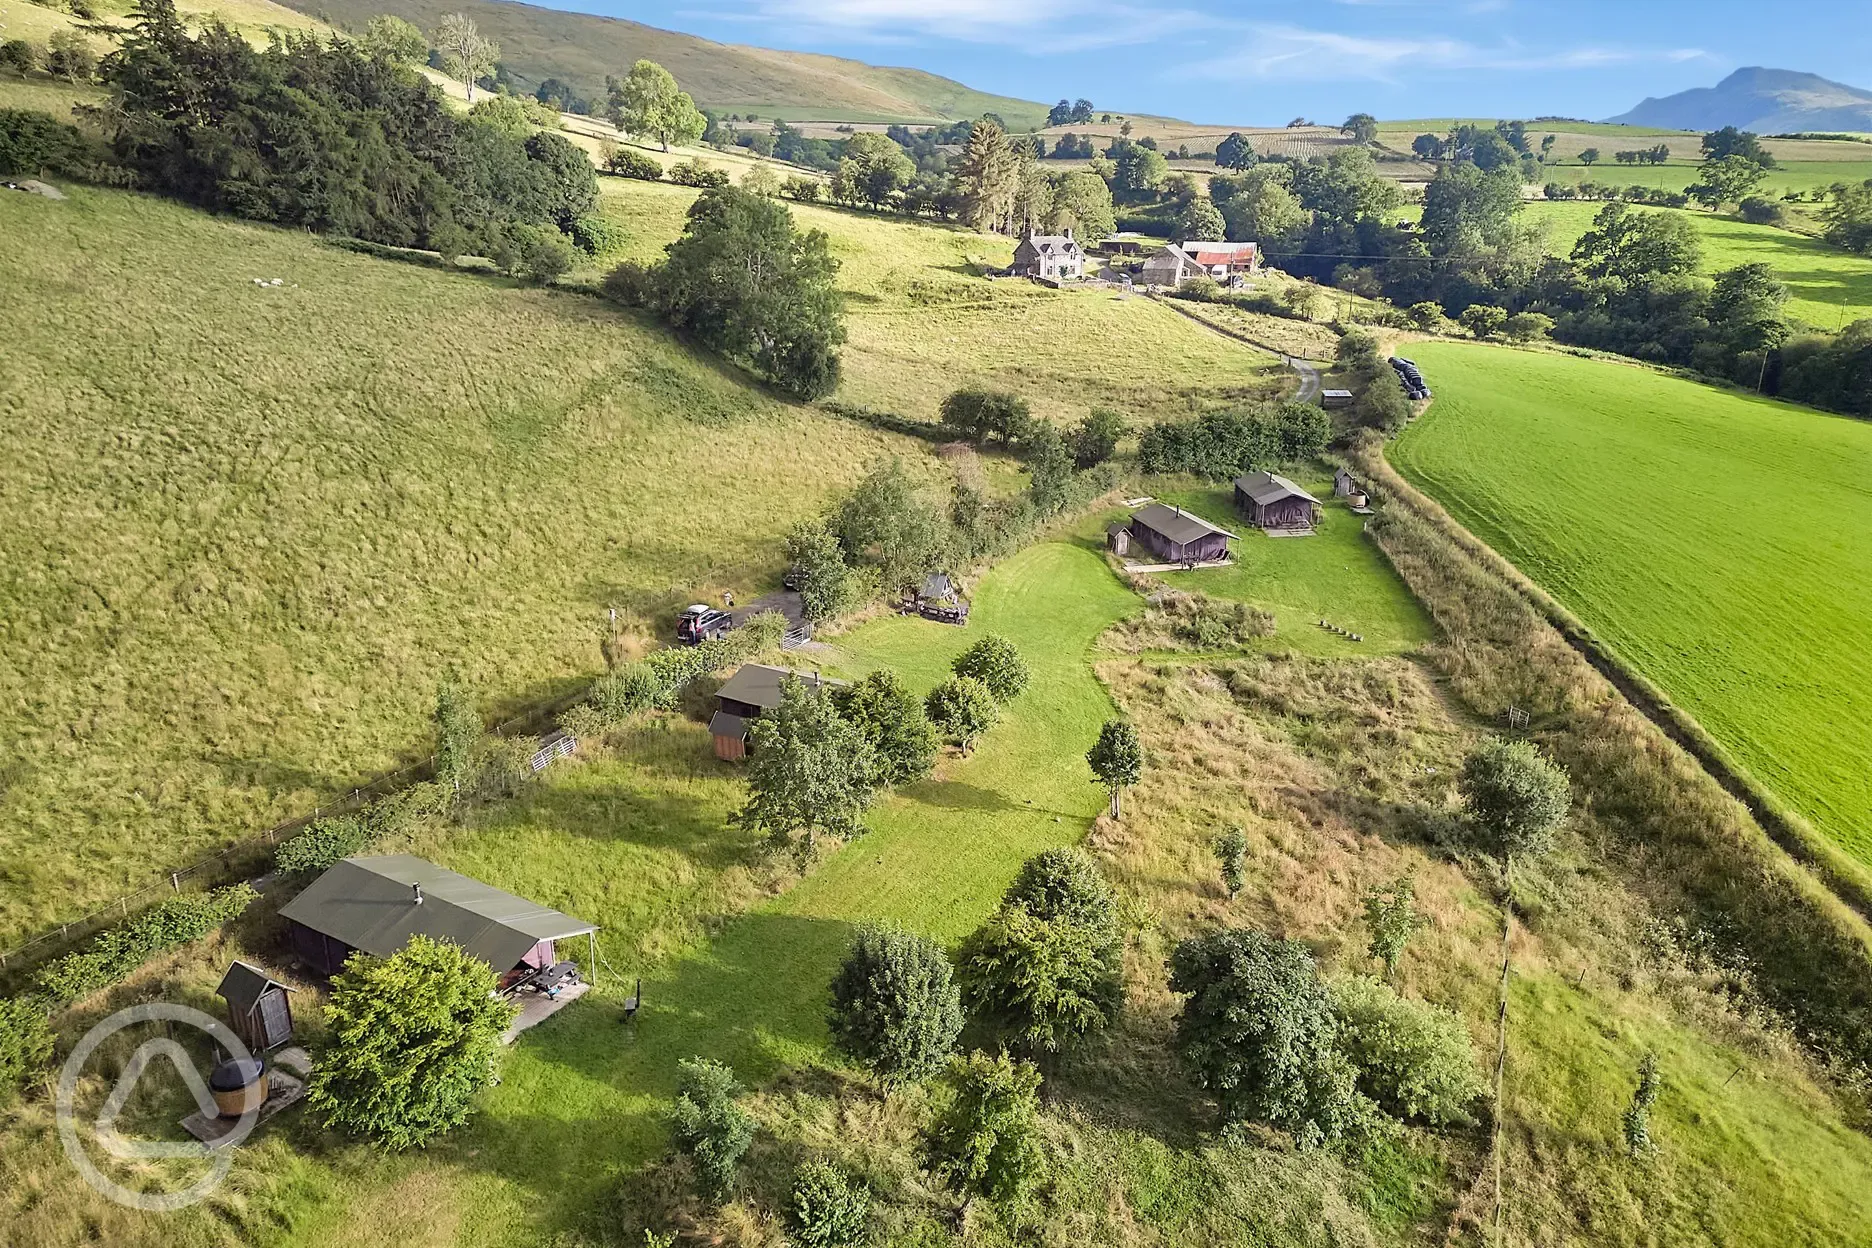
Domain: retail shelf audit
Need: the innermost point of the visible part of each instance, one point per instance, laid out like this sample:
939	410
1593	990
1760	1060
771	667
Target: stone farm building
752	690
1055	257
1276	504
1177	263
1173	535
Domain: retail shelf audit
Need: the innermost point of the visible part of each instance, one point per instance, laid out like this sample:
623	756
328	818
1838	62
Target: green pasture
1675	174
1336	575
1716	541
1827	287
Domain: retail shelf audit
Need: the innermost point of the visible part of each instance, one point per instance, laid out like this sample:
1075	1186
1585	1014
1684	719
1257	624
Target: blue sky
1266	61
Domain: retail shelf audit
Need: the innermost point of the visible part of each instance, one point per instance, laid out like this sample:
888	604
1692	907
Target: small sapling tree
1117	759
895	1006
710	1126
816	559
987	1142
1390	919
962	709
997	664
1637	1121
1231	849
410	1040
1516	796
458	728
830	1209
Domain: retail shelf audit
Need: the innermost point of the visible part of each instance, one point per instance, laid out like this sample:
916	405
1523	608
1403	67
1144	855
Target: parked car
701	623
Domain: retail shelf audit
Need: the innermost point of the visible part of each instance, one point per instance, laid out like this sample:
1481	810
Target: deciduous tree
409	1041
962	709
1235	152
467	54
395	40
648	102
996	664
1726	181
810	771
1390	920
1117	759
1413	1059
891	718
1516	795
895	1006
987	1142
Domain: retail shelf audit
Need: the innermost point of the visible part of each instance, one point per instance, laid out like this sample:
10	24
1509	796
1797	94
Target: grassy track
1827	287
246	529
1717	542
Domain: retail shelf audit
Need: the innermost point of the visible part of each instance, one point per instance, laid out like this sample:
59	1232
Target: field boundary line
1842	877
1297	363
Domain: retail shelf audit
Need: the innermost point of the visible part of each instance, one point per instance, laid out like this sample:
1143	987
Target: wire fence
218	867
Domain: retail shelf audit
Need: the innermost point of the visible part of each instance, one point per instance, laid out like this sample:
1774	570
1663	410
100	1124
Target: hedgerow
114	954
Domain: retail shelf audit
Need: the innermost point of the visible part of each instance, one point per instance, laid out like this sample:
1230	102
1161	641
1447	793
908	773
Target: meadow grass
1827	287
1337	575
1713	540
924	322
248	528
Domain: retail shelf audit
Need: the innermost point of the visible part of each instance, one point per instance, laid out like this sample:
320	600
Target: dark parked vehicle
794	580
702	623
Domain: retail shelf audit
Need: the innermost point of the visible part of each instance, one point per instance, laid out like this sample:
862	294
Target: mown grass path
582	1097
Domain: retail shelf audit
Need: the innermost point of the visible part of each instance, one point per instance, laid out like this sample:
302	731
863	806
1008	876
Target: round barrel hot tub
239	1086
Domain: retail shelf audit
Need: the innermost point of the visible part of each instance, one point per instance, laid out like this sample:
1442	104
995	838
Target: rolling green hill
1717	542
539	43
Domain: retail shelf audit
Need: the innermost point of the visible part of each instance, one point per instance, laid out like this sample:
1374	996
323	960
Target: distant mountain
1767	101
580	49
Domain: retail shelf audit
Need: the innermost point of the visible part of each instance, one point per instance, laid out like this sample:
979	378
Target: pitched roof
724	724
1176	524
369	903
1270	487
243	985
759	685
937	585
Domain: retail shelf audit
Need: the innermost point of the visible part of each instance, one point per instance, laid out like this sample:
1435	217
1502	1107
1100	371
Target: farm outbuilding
259	1010
1177	536
937	598
1335	398
1276	504
1057	257
1177	263
752	690
373	904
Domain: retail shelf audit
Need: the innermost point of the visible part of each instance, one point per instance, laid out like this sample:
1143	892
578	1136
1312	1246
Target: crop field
923	322
249	528
1717	542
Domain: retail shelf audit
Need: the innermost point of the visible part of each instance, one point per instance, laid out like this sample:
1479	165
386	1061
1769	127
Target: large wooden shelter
1276	504
1177	536
751	691
374	904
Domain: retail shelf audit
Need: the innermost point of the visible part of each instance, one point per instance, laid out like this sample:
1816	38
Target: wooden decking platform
283	1090
536	1009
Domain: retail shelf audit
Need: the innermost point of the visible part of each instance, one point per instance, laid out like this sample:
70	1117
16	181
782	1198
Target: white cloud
1291	53
1069	26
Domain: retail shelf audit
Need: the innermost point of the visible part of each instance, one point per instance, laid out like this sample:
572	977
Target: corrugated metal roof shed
1270	487
371	903
1176	524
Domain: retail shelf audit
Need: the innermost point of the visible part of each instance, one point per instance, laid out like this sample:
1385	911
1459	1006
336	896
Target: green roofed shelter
375	903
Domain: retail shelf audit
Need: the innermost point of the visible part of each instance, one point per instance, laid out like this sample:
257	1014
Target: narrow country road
1307	372
1309	378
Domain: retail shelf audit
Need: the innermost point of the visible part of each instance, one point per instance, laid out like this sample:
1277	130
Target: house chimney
417	889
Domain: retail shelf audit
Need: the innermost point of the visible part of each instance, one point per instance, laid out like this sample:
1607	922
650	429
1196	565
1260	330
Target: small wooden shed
259	1010
1335	398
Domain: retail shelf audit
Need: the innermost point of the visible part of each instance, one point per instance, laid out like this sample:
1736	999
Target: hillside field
1716	541
1827	287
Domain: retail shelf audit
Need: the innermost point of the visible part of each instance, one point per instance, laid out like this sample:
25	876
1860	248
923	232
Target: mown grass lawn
1827	287
1718	542
1336	575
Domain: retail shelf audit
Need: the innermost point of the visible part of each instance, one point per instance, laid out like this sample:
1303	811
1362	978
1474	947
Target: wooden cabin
751	691
1177	536
259	1009
1335	398
374	903
1276	504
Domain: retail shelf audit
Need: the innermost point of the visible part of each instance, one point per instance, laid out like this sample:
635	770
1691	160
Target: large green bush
410	1040
324	843
628	164
114	954
894	1004
962	710
1413	1058
988	1141
889	716
830	1210
1516	796
997	664
31	142
711	1128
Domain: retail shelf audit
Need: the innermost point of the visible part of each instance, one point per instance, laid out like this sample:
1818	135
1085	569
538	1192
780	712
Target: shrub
1095	439
1527	326
895	1006
805	190
536	253
1207	624
114	954
1258	1031
891	718
1382	406
324	843
458	727
817	560
31	142
1413	1058
19	56
976	414
1516	796
625	163
25	1043
996	664
1044	982
1231	848
1757	210
693	172
71	56
503	766
829	1210
710	1126
1064	884
1482	319
410	1040
988	1141
598	236
962	709
1390	919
